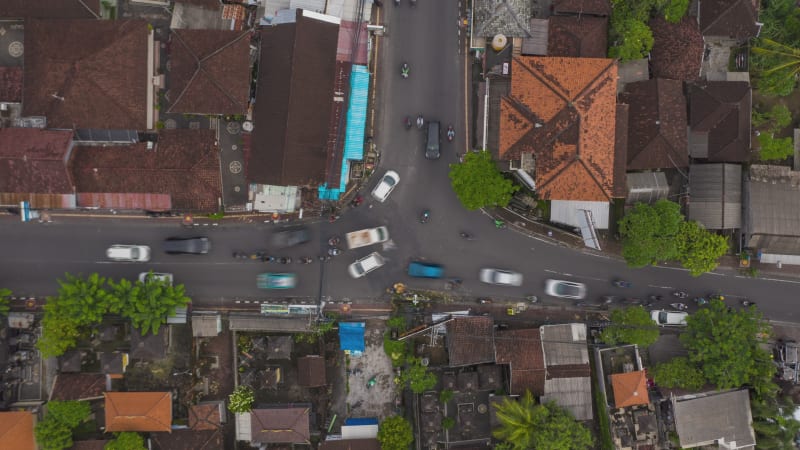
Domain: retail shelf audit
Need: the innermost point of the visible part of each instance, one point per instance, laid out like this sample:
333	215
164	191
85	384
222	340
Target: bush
241	400
395	350
775	149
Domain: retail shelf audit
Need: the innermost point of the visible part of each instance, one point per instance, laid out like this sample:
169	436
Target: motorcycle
466	236
267	259
746	303
334	241
404	70
334	251
408	123
484	301
532	298
655	298
240	255
357	201
420	121
284	260
425	216
451	134
499	224
622	284
305	260
680	294
700	301
679	306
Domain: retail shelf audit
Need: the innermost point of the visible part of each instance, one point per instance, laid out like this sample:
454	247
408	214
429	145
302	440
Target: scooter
425	216
466	236
679	306
747	303
622	284
700	301
484	301
420	121
334	251
680	294
408	123
305	260
451	133
404	70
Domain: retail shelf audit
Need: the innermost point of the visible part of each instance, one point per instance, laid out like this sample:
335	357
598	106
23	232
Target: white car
500	277
134	253
366	265
386	185
157	276
669	318
565	289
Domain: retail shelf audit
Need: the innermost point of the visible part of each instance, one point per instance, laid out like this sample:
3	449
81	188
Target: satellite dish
247	126
499	42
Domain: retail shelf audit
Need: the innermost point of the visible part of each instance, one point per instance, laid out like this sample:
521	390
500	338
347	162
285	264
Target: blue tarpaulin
351	336
361	421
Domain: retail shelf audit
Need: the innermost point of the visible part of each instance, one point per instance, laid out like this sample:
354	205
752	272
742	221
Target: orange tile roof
16	430
138	411
563	110
630	389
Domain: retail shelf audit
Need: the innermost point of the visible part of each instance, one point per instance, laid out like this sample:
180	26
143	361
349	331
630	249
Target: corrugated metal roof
150	202
241	322
536	43
646	187
39	201
715	417
566	212
564	344
716	195
572	394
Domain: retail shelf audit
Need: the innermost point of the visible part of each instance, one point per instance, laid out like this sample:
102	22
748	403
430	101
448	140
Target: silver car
132	253
565	289
386	185
500	277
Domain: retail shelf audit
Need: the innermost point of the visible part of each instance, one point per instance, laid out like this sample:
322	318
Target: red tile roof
87	73
657	135
470	340
11	84
53	9
729	18
33	160
522	351
677	49
280	425
184	164
578	36
563	111
209	71
630	389
78	386
595	7
205	417
138	411
16	430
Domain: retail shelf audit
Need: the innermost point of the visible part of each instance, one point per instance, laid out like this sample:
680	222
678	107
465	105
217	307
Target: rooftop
34	160
470	340
677	49
719	120
138	411
593	7
630	388
280	425
16	430
577	36
53	9
311	371
510	17
188	440
522	351
717	417
78	386
728	18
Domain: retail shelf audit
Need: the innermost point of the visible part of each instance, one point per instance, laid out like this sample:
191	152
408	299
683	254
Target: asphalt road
34	255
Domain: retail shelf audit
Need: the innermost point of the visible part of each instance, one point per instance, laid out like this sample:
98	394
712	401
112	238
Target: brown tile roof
621	151
209	71
138	411
205	416
657	136
351	444
721	110
293	102
33	160
563	111
78	386
11	84
730	18
630	389
16	430
311	371
184	164
188	440
595	7
677	49
470	340
87	73
522	351
578	36
280	425
52	9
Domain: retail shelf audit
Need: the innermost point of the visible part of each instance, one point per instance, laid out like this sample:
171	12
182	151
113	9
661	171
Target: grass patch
606	443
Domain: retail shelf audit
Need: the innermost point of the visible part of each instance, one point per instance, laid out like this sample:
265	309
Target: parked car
565	289
669	318
131	253
500	277
276	280
386	185
144	277
366	265
191	246
425	270
289	237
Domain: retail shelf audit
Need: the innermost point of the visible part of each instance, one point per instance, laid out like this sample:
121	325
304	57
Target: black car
192	245
289	237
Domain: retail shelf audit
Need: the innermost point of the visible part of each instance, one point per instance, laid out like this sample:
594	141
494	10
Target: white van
366	265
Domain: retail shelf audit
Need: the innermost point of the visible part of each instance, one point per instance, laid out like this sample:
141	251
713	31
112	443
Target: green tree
395	433
678	373
396	350
631	38
631	325
526	425
4	301
418	376
149	304
241	399
649	233
700	249
478	183
674	10
774	148
775	61
59	333
70	413
776	118
127	440
724	343
53	435
773	422
83	300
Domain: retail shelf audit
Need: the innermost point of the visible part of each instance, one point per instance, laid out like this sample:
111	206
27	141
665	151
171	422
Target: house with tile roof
50	9
207	415
78	386
187	440
510	18
181	172
715	196
294	101
577	36
209	72
16	430
677	51
138	411
280	425
521	350
89	73
600	8
561	113
469	340
630	388
311	371
728	19
719	120
657	136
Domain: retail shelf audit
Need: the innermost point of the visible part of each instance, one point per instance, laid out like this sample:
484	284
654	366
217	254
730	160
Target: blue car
276	280
425	270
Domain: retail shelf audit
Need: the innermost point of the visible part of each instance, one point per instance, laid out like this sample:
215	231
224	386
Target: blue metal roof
351	336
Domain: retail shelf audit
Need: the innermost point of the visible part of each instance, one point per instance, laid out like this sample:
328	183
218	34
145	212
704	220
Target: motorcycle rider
420	121
451	133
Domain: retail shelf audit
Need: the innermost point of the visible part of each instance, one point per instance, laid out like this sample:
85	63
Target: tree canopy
629	35
478	183
775	56
54	432
699	249
241	399
678	373
127	440
774	423
526	425
395	433
631	325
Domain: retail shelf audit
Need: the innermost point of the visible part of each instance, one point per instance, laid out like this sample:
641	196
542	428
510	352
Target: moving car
421	269
191	246
132	253
432	146
289	237
368	236
276	280
144	277
386	185
500	277
669	318
565	289
366	265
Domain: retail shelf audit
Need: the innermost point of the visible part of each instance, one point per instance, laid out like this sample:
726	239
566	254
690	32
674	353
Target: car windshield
502	277
388	180
135	253
567	289
662	317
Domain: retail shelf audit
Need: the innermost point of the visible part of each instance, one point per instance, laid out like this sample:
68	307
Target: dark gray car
432	146
194	245
289	237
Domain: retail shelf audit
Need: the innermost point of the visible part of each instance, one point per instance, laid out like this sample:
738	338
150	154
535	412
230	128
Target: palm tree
780	56
517	423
